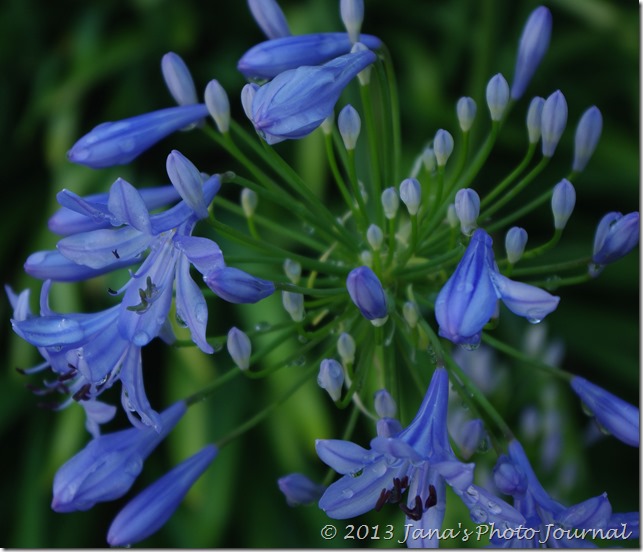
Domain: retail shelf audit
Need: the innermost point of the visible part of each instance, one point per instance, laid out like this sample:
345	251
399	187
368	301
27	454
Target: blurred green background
70	65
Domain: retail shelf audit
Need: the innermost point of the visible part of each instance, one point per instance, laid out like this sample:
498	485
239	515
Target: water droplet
347	493
494	508
302	339
464	287
532	320
309	229
126	146
473	493
79	154
586	409
201	313
180	321
262	326
469	346
379	468
141	338
552	282
483	446
602	428
135	466
478	515
299	361
217	345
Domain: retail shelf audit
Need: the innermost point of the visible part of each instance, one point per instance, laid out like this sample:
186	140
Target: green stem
519	213
555	267
375	157
497	190
332	162
314	292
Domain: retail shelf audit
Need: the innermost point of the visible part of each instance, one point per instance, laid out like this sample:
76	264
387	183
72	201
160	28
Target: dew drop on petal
126	146
478	515
494	508
472	493
141	339
347	493
379	468
201	313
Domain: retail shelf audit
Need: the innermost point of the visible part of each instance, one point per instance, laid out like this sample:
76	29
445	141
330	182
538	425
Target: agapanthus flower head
218	104
553	121
497	96
150	510
563	200
534	119
366	291
120	142
269	17
349	124
297	101
466	111
616	235
515	242
299	490
178	79
533	45
615	415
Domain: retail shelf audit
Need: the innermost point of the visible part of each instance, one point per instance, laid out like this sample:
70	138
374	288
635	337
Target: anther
83	393
384	496
115	253
414	513
432	499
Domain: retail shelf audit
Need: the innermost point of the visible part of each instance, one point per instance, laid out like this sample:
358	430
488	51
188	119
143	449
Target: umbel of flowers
399	274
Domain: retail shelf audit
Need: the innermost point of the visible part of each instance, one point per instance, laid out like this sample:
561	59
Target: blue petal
191	306
187	180
343	456
127	205
133	396
523	299
52	265
203	253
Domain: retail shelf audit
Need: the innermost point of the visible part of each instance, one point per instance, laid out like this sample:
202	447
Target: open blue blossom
119	142
297	101
419	460
109	464
468	299
150	510
548	522
618	417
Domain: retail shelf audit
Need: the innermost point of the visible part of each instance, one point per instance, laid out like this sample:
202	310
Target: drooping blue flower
533	45
109	464
268	59
299	490
468	299
236	286
366	291
616	235
297	101
513	475
588	132
269	17
553	121
119	142
618	417
419	460
150	510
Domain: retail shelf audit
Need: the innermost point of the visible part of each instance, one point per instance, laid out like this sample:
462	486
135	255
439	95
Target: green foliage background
70	65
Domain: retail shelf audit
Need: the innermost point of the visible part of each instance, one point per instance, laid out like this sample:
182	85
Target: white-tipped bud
410	194
515	242
534	118
331	377
466	111
384	403
349	125
375	237
428	160
562	203
366	258
497	96
390	202
216	100
452	216
239	347
249	201
178	79
553	122
328	124
346	348
292	269
294	305
364	76
442	147
467	208
410	313
352	12
588	132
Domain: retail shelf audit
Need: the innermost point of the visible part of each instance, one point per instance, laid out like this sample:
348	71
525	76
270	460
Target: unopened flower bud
292	270
384	403
349	124
299	490
390	202
294	305
563	200
410	313
467	208
218	105
269	17
410	194
466	111
249	201
452	216
428	160
375	237
366	258
470	436
178	79
588	133
366	292
346	348
331	378
497	96
554	119
364	76
515	242
534	119
442	147
239	348
352	12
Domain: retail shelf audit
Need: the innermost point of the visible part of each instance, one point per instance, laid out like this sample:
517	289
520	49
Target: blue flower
297	101
150	510
618	417
616	235
299	490
268	59
469	298
119	142
366	292
109	464
418	459
237	286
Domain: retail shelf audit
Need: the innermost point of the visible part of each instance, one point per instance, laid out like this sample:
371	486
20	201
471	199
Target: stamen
83	393
414	513
384	496
432	499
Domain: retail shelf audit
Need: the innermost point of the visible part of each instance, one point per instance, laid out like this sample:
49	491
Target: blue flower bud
384	403
237	286
269	17
428	159
186	178
150	510
239	348
390	202
299	490
249	202
294	305
588	133
534	118
367	293
515	242
346	348
410	194
508	477
618	417
442	147
466	111
218	105
120	142
554	119
616	235
562	203
497	96
452	216
470	436
349	124
352	12
292	269
467	208
534	42
178	79
331	377
388	427
375	237
296	102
